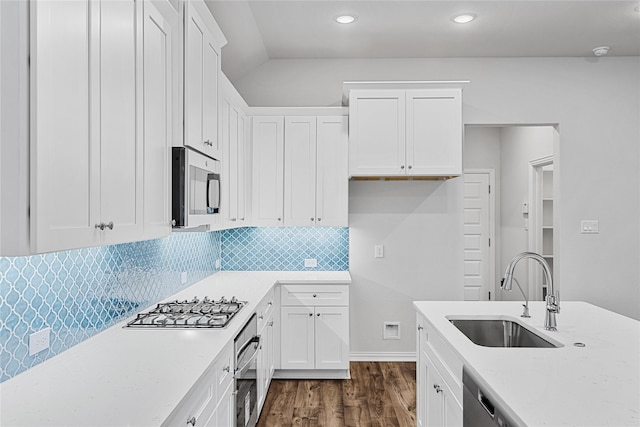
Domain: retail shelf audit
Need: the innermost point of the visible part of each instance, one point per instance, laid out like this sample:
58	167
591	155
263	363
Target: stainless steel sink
499	333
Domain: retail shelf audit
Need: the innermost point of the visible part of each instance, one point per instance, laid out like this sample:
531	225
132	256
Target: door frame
535	219
492	226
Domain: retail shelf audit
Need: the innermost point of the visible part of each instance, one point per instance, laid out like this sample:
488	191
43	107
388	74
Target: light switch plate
378	251
183	277
590	226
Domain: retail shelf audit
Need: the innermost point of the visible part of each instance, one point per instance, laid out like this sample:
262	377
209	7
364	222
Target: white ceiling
295	29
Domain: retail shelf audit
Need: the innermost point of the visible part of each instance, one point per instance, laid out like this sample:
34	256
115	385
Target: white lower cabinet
314	335
210	401
439	400
266	351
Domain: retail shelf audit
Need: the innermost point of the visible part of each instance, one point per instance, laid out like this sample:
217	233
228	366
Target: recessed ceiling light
464	18
345	19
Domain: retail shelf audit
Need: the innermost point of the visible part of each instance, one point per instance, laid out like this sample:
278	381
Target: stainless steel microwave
195	188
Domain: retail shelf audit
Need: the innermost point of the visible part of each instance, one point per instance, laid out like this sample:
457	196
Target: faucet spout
552	300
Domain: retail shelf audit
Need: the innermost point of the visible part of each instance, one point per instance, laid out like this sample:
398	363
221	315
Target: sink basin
499	333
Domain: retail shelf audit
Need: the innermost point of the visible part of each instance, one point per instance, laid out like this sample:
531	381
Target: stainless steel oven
246	347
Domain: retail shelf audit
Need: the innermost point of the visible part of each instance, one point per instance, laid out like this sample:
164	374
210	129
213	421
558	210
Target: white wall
594	101
420	225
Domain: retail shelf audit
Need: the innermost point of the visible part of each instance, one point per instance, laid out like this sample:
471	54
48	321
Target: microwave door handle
213	193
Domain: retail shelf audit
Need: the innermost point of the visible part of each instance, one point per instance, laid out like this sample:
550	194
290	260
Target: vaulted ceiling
292	29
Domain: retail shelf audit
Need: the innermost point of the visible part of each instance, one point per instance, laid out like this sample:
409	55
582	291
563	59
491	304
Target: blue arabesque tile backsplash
82	292
285	248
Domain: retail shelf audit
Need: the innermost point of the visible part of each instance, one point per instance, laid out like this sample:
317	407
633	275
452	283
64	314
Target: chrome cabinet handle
437	388
319	219
279	219
100	226
232	219
110	225
192	421
310	314
402	167
261	317
410	166
227	368
420	327
271	323
318	314
209	143
241	219
311	219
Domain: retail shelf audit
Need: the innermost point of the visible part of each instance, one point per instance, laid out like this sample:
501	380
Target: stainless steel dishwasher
479	408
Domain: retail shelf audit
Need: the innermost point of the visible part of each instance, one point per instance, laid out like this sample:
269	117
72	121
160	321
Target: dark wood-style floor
379	394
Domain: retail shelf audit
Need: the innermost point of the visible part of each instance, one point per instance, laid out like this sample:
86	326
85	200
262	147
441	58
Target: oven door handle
254	340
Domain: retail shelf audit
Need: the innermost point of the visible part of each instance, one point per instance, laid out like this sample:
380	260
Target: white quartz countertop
594	385
136	377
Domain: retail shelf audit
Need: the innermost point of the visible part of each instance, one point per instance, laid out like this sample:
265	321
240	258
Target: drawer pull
314	295
318	314
271	323
310	314
437	388
192	421
420	327
227	369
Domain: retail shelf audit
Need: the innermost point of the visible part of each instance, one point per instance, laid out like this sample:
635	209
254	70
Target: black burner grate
196	313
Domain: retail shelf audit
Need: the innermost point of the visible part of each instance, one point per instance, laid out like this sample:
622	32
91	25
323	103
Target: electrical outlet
183	277
39	341
218	264
589	226
310	262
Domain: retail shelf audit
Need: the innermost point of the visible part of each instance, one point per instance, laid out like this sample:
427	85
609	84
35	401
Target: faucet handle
553	302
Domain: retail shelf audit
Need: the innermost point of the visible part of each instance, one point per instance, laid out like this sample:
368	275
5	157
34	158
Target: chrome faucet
553	298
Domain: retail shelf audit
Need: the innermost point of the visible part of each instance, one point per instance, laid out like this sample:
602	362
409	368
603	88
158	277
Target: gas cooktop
196	313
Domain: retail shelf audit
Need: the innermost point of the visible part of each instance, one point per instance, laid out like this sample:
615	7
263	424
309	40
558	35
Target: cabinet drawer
314	295
265	309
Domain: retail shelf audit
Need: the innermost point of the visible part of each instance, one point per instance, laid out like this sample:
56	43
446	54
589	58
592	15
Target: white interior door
478	282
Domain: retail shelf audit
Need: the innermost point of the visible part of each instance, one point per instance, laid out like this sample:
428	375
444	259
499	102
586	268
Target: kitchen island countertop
136	377
594	385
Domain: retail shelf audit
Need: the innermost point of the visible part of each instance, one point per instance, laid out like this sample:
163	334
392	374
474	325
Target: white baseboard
409	356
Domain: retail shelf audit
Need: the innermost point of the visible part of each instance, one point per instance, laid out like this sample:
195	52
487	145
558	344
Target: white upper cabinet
405	132
234	141
316	180
162	62
100	129
268	171
86	139
300	171
203	41
434	132
377	132
332	182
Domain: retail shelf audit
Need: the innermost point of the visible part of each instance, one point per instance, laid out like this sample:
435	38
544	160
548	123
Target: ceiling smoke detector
601	51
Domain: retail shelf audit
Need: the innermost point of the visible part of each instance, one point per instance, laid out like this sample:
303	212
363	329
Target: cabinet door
242	169
434	400
434	132
297	338
229	205
160	26
268	171
120	131
201	83
377	133
64	168
421	375
225	414
332	337
300	171
332	182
